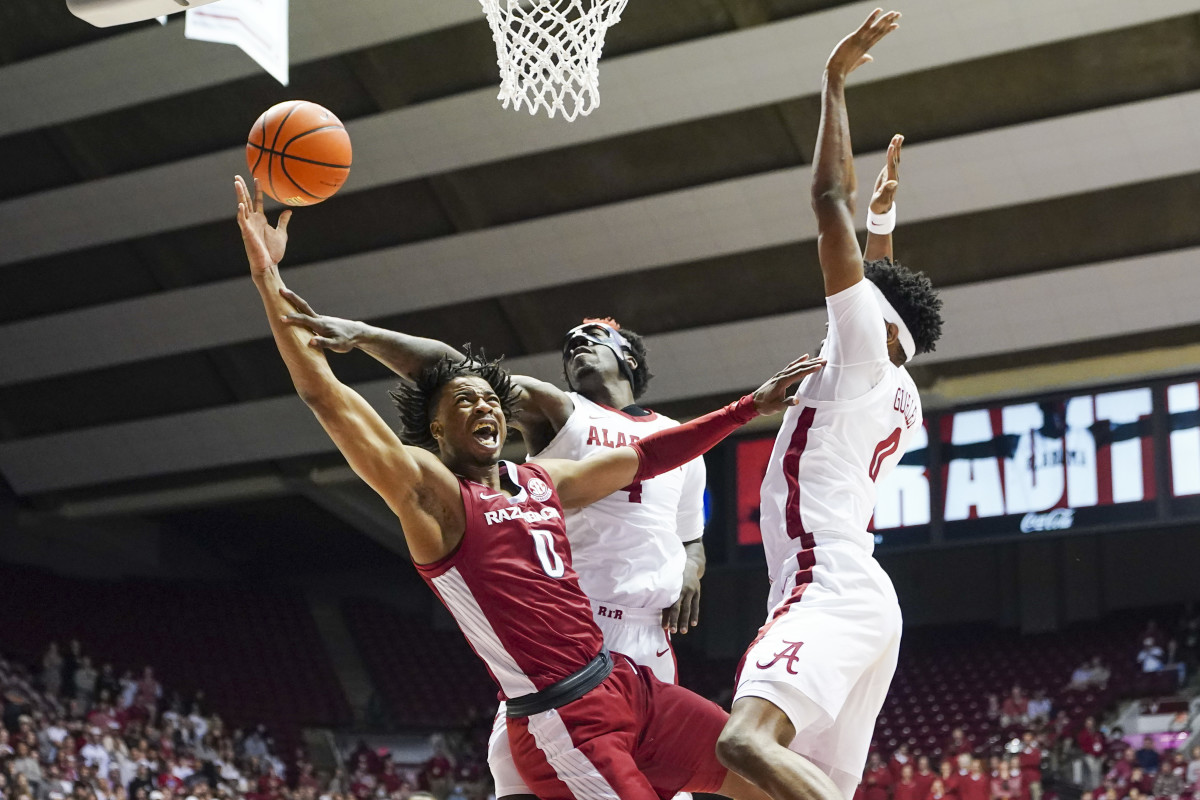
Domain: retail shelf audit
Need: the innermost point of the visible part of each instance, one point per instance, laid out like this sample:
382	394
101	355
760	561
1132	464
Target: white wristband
881	224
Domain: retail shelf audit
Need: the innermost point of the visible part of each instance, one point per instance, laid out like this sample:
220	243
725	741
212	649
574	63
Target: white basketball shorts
826	657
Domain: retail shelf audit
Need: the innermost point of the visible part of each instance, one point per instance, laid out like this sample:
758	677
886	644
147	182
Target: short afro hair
914	298
415	399
641	373
637	348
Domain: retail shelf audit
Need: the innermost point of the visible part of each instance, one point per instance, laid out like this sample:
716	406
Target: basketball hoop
548	52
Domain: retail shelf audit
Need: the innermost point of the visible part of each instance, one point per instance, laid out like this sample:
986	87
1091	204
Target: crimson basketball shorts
633	737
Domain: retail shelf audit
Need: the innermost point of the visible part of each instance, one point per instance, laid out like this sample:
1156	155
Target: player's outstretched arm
543	407
415	485
582	483
834	183
883	204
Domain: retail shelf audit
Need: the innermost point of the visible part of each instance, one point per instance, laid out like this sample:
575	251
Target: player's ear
435	428
893	332
631	360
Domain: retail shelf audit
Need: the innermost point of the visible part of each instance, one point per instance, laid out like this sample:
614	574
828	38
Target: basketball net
549	52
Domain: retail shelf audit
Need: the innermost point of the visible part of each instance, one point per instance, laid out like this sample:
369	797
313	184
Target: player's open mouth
486	432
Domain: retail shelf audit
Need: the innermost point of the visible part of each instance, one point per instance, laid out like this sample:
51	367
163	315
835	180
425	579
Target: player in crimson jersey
811	685
489	538
638	553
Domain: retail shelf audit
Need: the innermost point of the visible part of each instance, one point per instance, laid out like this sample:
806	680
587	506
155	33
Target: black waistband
568	690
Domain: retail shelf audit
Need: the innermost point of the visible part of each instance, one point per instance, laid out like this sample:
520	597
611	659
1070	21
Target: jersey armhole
435	568
562	432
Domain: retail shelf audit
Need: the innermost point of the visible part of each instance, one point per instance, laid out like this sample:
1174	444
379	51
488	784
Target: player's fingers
299	320
258	195
321	343
695	609
299	302
673	617
284	219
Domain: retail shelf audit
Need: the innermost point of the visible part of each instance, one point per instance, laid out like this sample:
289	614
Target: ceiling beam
156	62
1092	302
1009	166
711	76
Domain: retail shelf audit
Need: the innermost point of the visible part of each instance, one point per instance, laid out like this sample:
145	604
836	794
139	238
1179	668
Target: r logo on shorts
791	653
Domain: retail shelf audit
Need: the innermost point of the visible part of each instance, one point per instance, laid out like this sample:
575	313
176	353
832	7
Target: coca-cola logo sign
1060	519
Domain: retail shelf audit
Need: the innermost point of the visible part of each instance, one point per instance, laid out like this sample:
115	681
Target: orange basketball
300	152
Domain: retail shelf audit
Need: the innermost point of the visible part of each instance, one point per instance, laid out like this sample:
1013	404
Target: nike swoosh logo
490	496
663	652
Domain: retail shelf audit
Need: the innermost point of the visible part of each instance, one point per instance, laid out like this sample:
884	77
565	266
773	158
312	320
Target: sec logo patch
538	490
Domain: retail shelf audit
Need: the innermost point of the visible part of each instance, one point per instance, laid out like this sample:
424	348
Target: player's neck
614	393
488	475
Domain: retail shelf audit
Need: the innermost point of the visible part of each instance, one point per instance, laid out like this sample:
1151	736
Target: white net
549	52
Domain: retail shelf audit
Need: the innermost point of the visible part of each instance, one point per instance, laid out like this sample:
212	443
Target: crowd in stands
457	770
1028	743
72	731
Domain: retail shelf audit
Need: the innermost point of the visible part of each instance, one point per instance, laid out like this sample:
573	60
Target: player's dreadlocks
415	400
914	298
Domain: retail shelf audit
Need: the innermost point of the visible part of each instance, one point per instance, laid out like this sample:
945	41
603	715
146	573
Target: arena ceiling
1051	183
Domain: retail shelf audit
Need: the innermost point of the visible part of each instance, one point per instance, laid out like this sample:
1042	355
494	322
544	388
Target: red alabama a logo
791	653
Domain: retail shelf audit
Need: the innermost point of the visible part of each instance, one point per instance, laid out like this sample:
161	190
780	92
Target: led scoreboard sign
1079	461
1048	465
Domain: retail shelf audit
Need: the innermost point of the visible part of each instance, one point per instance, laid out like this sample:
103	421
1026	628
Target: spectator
924	777
1172	777
26	763
439	770
1039	707
108	682
70	664
977	785
1150	656
937	790
1173	660
1147	757
1029	759
1152	633
1139	778
950	779
255	745
148	693
898	760
129	687
1006	785
906	786
1189	635
1015	710
877	780
1093	745
993	707
1193	768
52	670
85	682
959	744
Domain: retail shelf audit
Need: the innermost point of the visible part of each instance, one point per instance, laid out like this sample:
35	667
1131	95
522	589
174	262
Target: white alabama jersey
854	422
628	548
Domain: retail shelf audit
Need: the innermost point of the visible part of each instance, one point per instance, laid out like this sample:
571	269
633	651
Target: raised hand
889	178
265	245
772	397
852	52
330	333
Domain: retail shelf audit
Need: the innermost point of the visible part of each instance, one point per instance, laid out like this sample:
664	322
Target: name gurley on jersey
906	404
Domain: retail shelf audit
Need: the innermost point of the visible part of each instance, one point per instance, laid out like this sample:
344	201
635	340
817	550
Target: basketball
300	153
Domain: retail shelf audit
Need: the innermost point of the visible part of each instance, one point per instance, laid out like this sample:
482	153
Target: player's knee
740	748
